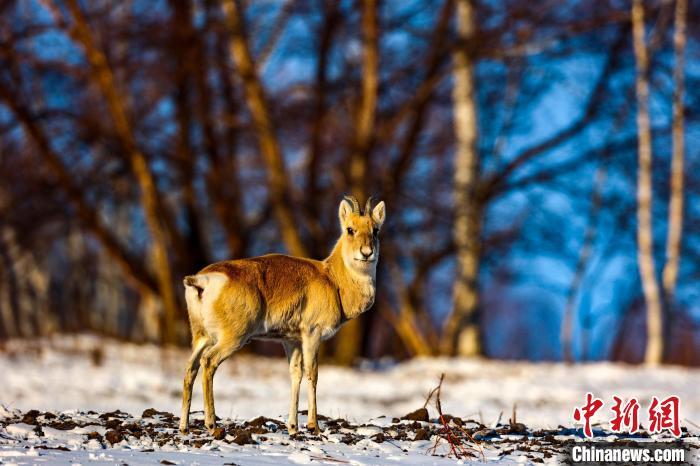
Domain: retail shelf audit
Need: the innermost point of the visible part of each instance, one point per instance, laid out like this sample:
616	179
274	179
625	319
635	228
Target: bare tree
278	181
461	329
647	269
582	261
102	74
366	111
350	336
675	210
253	119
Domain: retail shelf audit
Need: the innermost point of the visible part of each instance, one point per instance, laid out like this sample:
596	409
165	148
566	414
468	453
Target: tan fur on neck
356	289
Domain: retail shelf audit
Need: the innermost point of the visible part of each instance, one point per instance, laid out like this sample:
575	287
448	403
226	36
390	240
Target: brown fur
297	301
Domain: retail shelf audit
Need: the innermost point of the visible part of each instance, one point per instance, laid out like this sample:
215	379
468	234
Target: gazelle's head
360	234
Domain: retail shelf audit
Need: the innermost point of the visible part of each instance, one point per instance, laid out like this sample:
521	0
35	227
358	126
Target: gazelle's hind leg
227	324
212	357
294	356
190	375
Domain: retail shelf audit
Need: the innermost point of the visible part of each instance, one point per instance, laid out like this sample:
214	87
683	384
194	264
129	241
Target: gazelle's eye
351	231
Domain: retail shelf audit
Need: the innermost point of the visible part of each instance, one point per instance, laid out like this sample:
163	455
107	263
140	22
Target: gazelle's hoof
211	426
219	433
184	429
313	429
292	429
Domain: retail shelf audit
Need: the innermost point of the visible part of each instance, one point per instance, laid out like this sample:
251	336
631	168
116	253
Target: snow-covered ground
62	374
83	373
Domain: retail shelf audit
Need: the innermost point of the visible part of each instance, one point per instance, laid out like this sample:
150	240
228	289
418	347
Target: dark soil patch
161	428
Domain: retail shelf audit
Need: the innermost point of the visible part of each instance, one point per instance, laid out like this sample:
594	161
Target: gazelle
297	301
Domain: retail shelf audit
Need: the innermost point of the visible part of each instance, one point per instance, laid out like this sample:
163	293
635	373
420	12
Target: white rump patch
212	283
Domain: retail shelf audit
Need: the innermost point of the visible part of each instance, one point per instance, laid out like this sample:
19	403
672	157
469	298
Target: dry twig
457	444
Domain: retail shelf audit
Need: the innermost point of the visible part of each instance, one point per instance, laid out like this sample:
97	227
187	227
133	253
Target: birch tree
675	209
461	329
645	249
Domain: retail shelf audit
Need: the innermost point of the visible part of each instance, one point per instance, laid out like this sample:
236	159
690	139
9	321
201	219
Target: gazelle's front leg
310	344
293	350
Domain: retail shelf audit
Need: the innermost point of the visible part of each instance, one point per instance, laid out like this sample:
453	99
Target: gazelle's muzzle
366	253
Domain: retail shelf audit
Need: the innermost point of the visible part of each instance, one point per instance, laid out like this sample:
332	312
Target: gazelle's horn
353	202
368	206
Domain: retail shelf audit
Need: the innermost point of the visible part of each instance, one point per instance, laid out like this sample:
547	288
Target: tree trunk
222	177
331	20
405	322
278	182
675	210
349	339
31	286
102	74
7	320
195	254
366	113
148	315
645	250
461	329
9	293
581	264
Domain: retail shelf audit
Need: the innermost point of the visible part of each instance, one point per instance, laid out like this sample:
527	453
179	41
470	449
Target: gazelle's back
282	291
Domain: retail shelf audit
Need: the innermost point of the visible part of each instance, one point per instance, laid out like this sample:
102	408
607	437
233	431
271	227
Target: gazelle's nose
366	251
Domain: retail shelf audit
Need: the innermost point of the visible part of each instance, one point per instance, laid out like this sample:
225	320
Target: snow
74	375
133	377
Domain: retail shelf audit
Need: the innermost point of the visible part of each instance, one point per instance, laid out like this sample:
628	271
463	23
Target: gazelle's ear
344	210
379	214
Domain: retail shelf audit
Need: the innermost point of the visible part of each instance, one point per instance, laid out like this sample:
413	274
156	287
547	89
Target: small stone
64	425
257	422
243	437
30	417
114	436
219	433
484	433
518	428
132	427
422	434
417	415
150	412
110	414
113	423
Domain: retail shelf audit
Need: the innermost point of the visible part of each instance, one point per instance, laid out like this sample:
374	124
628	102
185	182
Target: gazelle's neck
357	288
